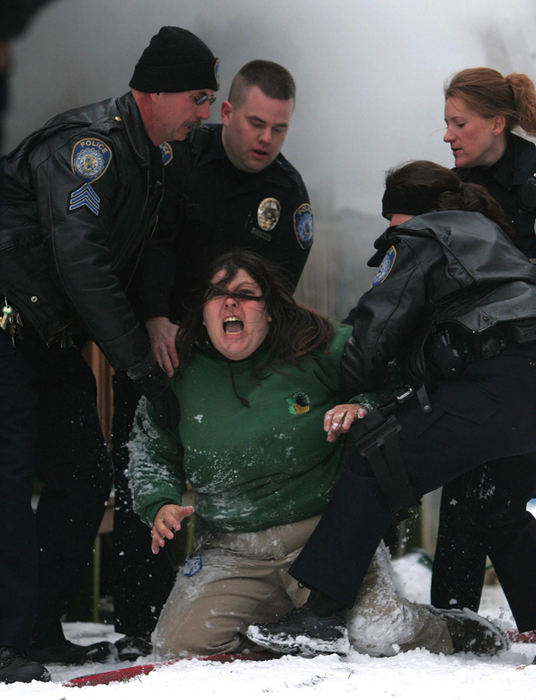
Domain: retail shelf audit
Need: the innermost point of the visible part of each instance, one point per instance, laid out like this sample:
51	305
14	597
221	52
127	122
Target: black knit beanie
175	61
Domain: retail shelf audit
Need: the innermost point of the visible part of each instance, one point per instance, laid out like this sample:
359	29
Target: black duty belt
450	348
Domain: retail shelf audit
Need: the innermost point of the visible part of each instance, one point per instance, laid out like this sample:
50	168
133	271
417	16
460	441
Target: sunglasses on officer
202	98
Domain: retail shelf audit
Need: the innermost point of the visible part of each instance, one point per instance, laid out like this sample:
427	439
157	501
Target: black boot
130	648
15	667
68	653
304	632
473	633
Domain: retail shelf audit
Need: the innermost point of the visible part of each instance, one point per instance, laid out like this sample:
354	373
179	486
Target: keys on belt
10	320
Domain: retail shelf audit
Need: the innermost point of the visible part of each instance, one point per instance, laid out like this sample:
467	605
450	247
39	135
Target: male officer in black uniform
228	186
454	302
80	198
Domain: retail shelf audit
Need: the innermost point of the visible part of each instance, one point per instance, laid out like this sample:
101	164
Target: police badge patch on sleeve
303	225
90	159
385	266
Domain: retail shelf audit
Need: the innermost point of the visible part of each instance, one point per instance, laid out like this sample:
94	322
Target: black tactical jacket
80	198
506	181
211	207
442	269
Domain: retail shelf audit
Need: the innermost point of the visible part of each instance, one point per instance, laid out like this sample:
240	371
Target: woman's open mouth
232	324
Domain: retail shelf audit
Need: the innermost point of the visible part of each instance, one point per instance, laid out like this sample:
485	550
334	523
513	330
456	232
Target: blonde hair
490	94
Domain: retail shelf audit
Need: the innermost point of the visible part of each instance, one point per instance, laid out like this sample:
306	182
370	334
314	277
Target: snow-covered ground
415	675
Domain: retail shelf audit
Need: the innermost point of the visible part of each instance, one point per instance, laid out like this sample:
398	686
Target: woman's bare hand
339	419
166	523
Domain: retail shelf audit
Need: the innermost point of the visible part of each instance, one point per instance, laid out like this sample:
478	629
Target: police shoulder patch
385	266
90	159
167	152
303	224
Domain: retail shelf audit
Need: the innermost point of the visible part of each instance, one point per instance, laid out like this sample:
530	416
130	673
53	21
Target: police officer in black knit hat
80	198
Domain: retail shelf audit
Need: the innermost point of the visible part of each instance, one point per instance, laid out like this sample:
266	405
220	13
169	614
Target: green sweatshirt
251	467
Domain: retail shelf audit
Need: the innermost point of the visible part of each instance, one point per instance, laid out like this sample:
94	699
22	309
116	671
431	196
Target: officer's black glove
154	384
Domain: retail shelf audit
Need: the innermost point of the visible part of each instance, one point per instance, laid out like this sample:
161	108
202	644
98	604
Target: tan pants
244	579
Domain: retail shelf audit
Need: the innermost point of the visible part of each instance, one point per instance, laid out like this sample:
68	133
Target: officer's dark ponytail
427	186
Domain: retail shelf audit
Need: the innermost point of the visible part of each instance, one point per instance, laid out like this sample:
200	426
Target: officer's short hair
274	81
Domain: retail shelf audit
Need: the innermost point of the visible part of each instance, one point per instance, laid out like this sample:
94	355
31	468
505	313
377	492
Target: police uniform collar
521	153
381	244
273	174
504	169
206	144
510	169
142	145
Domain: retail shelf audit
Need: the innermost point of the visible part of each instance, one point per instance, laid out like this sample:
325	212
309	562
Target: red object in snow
527	637
125	674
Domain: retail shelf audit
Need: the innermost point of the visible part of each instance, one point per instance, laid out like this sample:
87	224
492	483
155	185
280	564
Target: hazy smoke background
369	73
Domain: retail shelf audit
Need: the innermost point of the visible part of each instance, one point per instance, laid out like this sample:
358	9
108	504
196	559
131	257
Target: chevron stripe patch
85	196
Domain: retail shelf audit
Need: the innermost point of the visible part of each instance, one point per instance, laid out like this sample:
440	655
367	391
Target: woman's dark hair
431	187
489	94
294	329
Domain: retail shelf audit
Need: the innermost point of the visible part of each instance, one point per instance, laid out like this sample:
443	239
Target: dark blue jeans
49	429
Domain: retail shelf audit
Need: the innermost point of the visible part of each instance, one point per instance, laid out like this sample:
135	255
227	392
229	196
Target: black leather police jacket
80	198
435	270
505	181
211	207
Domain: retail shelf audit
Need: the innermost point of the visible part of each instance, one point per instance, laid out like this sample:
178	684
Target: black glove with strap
154	384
